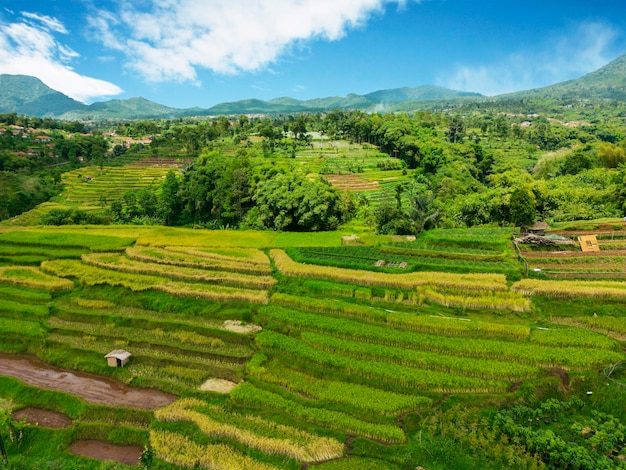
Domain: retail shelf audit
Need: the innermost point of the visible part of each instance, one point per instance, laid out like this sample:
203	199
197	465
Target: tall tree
522	207
170	203
456	130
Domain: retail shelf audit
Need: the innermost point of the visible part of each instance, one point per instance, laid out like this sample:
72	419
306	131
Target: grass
19	327
32	278
359	397
58	238
398	259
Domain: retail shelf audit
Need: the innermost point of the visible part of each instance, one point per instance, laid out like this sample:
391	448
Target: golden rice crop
311	448
179	450
470	282
92	275
492	300
570	289
33	278
247	255
121	263
94	303
256	263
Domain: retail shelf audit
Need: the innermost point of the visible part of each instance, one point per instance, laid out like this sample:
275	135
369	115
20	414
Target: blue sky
186	53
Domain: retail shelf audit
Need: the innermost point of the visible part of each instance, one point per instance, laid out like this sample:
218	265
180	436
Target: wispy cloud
579	51
29	46
171	39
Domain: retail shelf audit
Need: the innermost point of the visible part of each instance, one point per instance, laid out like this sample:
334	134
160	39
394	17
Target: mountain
421	93
133	108
606	83
30	96
369	102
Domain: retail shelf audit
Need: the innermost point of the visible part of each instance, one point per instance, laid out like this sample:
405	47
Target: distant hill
421	93
26	95
369	102
606	83
133	108
30	96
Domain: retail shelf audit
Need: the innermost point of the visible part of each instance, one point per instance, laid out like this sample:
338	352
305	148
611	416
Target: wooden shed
117	358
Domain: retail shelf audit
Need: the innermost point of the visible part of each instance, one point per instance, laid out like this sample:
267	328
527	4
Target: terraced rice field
608	263
352	183
161	162
309	358
86	186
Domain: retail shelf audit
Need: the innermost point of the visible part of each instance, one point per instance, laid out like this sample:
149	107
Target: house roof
119	354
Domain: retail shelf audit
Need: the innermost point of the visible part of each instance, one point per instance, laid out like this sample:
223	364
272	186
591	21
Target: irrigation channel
90	387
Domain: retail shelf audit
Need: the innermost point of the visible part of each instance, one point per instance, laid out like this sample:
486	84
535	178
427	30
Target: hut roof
119	354
538	226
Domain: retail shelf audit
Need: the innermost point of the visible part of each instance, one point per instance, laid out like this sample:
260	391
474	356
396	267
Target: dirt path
43	418
128	455
90	387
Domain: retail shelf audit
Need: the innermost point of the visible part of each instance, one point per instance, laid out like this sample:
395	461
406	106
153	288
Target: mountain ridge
30	96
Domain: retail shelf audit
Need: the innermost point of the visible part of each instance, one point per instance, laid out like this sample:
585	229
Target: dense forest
473	165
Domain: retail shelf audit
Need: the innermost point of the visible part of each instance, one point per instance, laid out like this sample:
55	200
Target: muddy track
90	387
43	418
128	455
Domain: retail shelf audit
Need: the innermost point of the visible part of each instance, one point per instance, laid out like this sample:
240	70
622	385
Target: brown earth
351	182
612	267
218	385
90	387
166	162
572	254
561	374
239	327
43	418
128	455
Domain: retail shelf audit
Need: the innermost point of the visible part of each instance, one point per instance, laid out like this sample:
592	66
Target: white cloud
580	51
29	47
48	22
170	39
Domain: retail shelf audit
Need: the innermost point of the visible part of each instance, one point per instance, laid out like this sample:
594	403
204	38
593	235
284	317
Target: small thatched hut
538	228
117	358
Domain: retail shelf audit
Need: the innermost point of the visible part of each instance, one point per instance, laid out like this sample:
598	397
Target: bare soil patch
218	385
239	327
128	455
43	418
564	376
90	387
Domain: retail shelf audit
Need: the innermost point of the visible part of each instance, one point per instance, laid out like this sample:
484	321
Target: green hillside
606	83
134	108
30	96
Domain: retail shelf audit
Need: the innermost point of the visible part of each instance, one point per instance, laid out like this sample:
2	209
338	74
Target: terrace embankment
91	388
